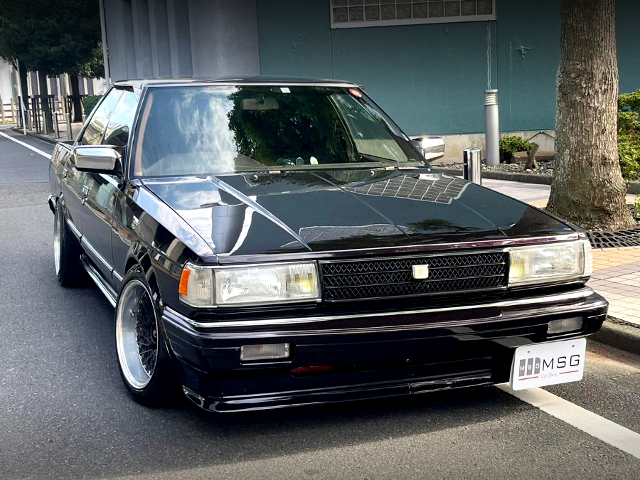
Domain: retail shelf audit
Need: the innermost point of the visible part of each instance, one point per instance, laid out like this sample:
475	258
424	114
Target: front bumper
371	355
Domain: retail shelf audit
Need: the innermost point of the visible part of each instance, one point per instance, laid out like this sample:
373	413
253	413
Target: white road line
40	152
609	432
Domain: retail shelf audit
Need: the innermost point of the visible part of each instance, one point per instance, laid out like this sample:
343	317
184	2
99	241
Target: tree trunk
23	84
75	95
44	102
588	188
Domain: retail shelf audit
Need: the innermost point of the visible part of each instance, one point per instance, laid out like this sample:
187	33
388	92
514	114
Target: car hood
319	211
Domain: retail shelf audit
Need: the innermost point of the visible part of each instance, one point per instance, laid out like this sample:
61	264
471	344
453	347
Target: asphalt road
64	412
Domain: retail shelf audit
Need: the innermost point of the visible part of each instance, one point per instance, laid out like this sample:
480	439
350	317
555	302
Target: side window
121	120
98	123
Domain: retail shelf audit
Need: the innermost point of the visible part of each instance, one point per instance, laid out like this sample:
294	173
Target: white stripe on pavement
40	152
609	432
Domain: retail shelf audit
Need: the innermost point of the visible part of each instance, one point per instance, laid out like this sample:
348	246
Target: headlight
550	263
249	285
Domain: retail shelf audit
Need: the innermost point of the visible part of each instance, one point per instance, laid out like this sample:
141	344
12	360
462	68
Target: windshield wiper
365	157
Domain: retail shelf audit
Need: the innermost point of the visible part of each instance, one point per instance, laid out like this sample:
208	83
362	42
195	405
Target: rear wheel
143	358
66	253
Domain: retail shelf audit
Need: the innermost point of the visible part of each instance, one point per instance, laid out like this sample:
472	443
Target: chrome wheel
136	334
57	243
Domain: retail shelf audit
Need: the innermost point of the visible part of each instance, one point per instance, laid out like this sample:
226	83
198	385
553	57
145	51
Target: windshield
220	129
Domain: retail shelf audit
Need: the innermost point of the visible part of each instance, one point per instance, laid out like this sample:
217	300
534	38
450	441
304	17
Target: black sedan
273	242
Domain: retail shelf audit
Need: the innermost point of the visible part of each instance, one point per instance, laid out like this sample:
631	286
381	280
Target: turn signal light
183	288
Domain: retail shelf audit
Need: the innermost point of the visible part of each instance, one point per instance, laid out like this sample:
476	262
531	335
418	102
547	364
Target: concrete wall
181	38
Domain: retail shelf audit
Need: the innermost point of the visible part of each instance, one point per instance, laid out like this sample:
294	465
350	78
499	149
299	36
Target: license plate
548	364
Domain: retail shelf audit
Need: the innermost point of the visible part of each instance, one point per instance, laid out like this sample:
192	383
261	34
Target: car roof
257	80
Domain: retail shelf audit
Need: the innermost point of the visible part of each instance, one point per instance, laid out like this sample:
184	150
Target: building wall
528	57
7	89
628	45
431	78
181	38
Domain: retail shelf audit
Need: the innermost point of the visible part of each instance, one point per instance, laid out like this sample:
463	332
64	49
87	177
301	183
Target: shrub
89	103
511	144
629	134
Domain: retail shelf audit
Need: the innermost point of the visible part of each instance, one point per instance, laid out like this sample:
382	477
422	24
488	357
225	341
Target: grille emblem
420	272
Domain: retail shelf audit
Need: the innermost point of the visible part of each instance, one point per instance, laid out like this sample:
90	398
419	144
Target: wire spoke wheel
137	334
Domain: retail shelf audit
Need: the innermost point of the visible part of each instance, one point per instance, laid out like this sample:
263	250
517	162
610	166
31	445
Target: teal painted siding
529	52
431	78
629	45
295	38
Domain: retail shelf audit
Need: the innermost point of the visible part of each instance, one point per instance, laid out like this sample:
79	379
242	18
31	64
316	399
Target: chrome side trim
417	255
74	229
523	302
85	243
117	276
106	290
363	254
231	83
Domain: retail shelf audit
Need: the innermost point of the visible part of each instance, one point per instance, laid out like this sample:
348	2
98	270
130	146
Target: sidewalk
616	271
51	137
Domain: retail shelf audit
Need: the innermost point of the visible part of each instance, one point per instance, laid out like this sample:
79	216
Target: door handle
65	172
85	193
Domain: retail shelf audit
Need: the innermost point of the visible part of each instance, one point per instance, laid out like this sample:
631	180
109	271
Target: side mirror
431	147
98	159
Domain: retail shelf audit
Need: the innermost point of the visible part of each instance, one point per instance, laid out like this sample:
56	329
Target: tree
588	188
49	37
94	68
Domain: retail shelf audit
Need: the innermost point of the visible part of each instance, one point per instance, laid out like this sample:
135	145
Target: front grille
392	277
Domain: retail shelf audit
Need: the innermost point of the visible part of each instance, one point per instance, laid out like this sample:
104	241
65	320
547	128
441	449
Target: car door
71	192
97	193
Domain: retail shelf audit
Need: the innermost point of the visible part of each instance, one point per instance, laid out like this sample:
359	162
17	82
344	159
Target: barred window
371	13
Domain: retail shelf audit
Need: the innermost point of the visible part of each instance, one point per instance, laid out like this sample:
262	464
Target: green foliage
629	134
94	68
89	103
629	101
511	144
50	37
302	126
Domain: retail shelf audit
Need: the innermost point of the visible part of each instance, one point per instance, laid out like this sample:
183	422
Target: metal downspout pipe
492	127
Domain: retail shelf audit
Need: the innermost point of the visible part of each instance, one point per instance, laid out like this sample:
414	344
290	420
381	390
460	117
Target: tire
149	376
66	253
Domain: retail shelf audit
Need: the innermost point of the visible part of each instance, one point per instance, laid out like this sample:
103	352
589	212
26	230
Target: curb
620	335
512	177
44	138
634	187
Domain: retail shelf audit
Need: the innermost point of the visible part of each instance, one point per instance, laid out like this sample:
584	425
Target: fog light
264	352
564	325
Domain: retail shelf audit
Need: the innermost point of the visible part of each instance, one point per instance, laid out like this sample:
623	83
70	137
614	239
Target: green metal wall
431	78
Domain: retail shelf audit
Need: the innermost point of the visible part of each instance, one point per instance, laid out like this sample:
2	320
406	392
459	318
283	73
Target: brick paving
616	271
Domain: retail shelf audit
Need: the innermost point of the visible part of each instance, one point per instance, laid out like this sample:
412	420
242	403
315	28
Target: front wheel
66	253
143	358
